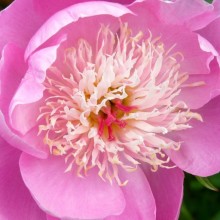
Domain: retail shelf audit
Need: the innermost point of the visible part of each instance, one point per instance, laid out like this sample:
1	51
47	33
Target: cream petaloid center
112	104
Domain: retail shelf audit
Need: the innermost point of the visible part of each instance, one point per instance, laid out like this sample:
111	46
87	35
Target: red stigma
109	117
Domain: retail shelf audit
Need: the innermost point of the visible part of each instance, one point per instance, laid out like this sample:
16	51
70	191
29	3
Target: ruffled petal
18	22
11	73
12	69
15	199
193	14
140	203
194	60
49	217
205	18
70	15
200	150
208	87
20	142
65	195
24	17
212	32
49	7
26	100
167	187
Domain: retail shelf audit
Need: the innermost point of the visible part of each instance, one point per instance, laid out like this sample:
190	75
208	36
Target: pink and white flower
106	104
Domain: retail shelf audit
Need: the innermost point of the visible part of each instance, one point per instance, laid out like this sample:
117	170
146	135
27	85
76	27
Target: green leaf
209	1
206	183
185	214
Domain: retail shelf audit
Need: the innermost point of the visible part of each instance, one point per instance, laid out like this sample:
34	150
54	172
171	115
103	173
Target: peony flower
104	105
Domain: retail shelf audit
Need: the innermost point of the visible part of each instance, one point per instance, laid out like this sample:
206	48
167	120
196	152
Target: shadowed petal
167	188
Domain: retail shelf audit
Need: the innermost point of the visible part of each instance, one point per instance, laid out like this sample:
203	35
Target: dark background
199	203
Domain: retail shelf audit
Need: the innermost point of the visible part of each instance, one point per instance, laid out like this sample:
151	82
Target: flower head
114	103
108	102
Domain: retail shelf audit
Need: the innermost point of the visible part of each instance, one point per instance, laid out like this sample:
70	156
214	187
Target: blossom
104	105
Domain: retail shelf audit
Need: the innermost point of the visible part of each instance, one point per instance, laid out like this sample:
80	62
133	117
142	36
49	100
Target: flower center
111	104
110	116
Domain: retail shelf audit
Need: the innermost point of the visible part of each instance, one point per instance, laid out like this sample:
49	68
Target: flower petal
49	7
11	72
31	13
194	14
67	196
49	217
199	153
211	33
26	99
20	142
140	203
18	23
15	199
178	37
197	96
205	18
195	59
167	187
70	15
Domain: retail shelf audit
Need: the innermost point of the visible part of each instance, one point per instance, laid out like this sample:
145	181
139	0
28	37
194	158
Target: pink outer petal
49	217
167	187
67	196
204	19
11	73
196	97
140	203
195	59
24	17
19	142
49	7
199	153
193	14
12	69
72	14
212	33
206	46
179	12
26	99
18	23
15	199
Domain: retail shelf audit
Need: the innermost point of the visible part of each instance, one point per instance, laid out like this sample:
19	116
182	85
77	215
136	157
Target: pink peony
104	104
